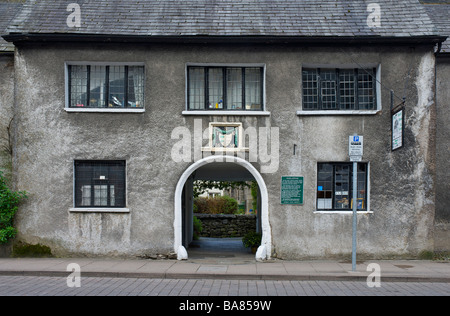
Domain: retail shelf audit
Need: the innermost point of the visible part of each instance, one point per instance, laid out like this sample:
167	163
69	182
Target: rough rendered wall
442	235
49	139
6	109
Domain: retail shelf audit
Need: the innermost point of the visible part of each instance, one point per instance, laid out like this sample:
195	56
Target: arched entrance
265	249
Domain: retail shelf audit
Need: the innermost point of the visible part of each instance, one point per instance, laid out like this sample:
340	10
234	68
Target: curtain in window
253	100
197	88
136	87
234	88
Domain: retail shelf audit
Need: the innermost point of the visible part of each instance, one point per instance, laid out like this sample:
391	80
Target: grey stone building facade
120	105
7	13
440	14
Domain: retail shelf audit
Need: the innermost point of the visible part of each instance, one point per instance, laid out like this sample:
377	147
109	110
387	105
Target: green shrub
9	203
254	191
201	205
252	239
228	205
216	205
198	228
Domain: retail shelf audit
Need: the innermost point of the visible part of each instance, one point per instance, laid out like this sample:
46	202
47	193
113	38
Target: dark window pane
98	87
342	187
78	86
234	88
240	88
362	186
89	86
116	86
347	89
335	186
325	186
341	89
310	90
328	89
99	184
366	89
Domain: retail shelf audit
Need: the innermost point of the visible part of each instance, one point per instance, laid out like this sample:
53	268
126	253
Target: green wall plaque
292	190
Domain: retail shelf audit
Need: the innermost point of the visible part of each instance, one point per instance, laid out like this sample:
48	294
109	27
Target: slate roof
440	15
8	10
217	18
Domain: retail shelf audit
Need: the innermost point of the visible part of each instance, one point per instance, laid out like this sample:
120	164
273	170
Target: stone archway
264	251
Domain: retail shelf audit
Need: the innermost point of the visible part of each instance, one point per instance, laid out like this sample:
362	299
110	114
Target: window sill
317	113
104	110
231	113
341	212
99	210
225	150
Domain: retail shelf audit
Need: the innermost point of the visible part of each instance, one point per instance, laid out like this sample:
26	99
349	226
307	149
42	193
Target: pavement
209	260
390	271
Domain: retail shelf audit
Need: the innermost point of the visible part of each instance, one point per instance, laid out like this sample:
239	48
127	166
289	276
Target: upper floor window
339	89
230	88
105	86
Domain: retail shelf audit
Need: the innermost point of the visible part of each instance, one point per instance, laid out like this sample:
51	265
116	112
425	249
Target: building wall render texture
48	140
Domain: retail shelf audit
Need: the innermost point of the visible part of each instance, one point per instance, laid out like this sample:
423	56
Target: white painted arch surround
264	251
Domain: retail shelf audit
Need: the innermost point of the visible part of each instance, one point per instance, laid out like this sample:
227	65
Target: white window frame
67	107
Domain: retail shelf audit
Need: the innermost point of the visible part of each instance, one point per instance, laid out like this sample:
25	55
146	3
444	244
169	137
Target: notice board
292	190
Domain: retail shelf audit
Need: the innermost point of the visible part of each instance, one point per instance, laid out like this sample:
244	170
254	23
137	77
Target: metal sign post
355	220
355	151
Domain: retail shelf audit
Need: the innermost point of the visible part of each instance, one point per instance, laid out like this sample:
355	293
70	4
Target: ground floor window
100	184
335	186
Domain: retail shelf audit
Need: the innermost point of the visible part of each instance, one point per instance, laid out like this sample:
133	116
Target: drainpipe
438	49
436	54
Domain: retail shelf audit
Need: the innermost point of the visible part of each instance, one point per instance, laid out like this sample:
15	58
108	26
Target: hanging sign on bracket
398	127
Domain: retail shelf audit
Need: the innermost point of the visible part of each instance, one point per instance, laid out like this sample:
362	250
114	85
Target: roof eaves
18	38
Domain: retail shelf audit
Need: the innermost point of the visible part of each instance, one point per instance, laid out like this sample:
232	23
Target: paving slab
394	270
